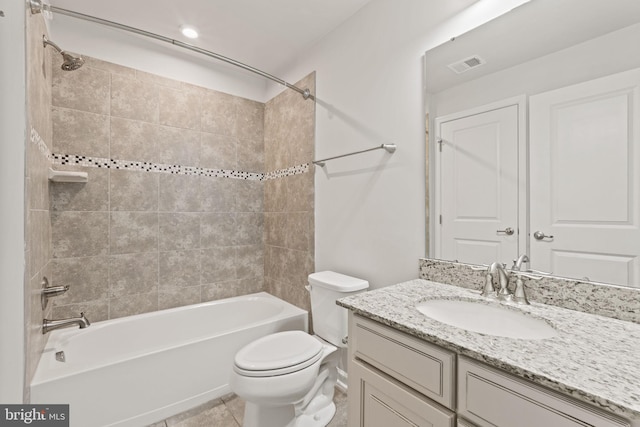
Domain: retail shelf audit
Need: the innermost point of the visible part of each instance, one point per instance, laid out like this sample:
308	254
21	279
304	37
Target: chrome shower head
70	62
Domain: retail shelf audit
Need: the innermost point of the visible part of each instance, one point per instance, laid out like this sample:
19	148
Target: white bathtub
141	369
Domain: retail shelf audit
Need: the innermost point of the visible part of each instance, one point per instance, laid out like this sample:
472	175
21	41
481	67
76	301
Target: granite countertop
595	359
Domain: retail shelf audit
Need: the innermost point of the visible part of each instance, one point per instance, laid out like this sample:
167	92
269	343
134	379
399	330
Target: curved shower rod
37	7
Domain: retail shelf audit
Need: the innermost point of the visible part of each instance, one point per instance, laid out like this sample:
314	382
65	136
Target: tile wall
37	211
174	212
289	201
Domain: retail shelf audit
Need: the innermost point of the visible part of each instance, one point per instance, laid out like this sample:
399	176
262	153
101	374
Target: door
584	160
477	187
385	403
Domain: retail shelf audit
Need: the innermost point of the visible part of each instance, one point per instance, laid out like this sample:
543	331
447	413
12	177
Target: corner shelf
67	176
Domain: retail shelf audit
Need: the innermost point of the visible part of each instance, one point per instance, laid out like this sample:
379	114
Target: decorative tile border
595	298
101	162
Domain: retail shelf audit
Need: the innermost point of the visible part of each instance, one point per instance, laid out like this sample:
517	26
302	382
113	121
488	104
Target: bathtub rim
48	372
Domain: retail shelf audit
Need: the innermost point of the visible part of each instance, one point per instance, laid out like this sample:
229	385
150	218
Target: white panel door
478	187
584	160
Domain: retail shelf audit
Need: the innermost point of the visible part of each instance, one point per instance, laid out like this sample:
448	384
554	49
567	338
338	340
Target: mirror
530	58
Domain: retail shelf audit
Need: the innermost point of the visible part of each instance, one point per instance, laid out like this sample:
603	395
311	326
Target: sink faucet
50	325
503	279
517	263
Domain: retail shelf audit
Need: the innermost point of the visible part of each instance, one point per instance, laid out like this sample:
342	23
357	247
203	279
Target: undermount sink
487	319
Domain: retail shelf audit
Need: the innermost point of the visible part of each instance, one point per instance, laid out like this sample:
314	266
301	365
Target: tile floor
228	411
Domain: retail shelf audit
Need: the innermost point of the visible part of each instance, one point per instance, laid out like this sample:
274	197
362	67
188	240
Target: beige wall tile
133	191
95	311
250	120
86	89
218	151
171	298
133	232
249	196
250	262
179	193
179	269
222	289
300	190
87	278
178	146
134	140
250	228
298	230
218	264
179	108
130	305
218	229
275	228
133	99
155	79
219	113
92	195
218	194
38	237
179	231
275	195
80	133
133	274
109	67
79	234
251	155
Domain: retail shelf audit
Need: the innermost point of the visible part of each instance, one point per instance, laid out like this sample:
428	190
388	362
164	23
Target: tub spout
50	325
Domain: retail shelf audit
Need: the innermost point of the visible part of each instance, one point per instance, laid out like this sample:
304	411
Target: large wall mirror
534	141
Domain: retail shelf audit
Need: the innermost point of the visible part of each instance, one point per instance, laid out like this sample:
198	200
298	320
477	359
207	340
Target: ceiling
266	34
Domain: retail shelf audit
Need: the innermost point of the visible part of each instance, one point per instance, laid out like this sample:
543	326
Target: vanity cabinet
396	379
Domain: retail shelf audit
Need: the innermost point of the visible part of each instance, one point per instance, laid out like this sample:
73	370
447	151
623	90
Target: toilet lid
278	353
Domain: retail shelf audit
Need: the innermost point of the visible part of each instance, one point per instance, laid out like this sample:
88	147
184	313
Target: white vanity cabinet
397	380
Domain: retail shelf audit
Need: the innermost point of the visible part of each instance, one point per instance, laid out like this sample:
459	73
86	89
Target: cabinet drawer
385	402
492	398
426	368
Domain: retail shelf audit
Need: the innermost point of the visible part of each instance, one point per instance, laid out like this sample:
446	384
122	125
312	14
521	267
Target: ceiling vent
466	64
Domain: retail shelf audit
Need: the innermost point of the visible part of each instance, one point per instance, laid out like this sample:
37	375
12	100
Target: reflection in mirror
534	141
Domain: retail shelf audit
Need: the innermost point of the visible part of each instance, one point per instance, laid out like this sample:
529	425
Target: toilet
287	379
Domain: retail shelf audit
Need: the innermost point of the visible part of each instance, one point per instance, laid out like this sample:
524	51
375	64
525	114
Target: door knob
539	235
508	231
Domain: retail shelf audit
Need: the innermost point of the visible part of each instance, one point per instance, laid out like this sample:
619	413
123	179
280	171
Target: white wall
154	56
12	201
370	208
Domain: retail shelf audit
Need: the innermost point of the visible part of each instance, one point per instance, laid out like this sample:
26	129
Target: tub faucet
50	325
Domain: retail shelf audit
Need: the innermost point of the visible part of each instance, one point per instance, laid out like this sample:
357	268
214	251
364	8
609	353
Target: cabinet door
384	402
491	398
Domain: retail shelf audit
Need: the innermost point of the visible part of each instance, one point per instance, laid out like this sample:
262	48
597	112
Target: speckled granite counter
595	359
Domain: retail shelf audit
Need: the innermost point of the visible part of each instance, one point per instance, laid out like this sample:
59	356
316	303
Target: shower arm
37	7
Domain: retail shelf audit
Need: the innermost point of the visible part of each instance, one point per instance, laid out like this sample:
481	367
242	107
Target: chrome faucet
50	325
517	263
503	279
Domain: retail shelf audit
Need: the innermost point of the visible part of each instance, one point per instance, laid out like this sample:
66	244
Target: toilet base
284	416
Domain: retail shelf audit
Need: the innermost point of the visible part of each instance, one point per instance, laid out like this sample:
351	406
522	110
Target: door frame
521	102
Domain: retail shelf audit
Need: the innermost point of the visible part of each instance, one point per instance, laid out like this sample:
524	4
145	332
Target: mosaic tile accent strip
101	162
42	146
595	298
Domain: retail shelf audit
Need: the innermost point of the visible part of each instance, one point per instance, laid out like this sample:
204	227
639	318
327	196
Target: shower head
70	62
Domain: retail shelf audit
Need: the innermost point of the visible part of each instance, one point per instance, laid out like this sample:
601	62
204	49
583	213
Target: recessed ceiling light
189	31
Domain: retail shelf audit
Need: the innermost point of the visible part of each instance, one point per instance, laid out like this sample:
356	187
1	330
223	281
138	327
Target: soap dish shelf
67	176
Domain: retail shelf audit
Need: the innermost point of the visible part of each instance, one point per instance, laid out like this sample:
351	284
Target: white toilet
287	379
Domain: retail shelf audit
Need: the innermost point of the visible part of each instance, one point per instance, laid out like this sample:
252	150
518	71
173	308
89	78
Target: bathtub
137	370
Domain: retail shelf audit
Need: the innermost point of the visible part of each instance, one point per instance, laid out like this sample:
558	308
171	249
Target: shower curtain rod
37	7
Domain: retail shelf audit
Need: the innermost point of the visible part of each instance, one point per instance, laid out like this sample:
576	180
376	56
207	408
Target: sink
487	319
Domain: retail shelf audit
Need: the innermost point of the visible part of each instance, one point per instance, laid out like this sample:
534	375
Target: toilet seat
278	354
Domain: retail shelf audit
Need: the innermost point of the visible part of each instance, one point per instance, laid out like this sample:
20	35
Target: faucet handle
520	296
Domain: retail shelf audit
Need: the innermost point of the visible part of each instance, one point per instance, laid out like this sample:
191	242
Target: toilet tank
330	320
